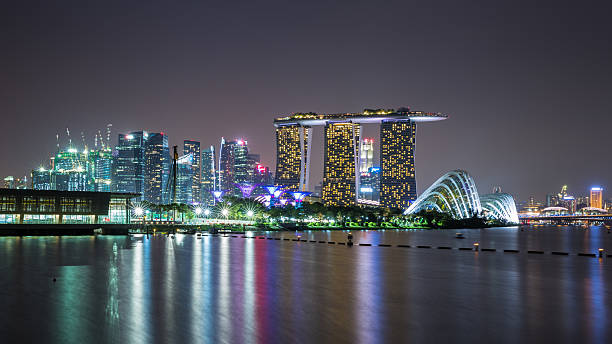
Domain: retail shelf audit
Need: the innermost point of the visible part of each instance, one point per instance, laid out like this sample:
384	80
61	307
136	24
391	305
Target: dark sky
528	86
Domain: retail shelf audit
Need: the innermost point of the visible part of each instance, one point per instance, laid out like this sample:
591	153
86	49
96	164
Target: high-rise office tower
23	183
398	129
9	182
366	155
72	171
184	179
369	184
262	175
252	161
193	148
157	168
341	150
293	146
208	176
596	197
233	164
397	180
74	180
101	163
129	163
241	162
41	179
226	166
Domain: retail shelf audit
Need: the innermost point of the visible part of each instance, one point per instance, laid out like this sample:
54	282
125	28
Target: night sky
528	87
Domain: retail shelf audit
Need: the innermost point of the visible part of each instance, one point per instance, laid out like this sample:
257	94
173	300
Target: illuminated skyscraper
72	180
226	166
262	176
397	180
293	146
101	166
369	184
9	182
193	148
129	163
252	161
208	176
596	197
157	168
398	129
366	155
72	171
233	164
340	162
184	179
41	179
242	164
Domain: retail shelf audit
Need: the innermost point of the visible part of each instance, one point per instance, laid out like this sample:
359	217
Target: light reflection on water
223	289
367	280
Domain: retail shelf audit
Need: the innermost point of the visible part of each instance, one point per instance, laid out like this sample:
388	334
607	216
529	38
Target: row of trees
249	209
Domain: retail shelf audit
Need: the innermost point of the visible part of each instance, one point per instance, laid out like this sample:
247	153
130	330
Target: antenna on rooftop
96	139
108	134
83	139
69	139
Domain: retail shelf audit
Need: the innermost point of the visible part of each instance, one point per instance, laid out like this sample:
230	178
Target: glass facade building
129	163
41	179
242	165
157	168
101	167
369	184
596	198
233	165
72	171
63	207
208	176
366	155
341	150
184	179
226	166
193	148
455	194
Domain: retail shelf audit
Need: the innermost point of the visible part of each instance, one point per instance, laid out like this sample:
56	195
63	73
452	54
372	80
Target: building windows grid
8	203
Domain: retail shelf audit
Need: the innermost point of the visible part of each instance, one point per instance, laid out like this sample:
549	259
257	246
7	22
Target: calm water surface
238	290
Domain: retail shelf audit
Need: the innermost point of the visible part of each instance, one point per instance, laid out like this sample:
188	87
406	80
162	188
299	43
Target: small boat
459	236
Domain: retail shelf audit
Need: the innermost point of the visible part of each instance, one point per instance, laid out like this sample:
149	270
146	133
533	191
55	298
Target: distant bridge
605	218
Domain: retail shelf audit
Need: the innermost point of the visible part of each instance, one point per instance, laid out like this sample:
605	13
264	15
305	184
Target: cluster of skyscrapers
349	178
143	163
563	202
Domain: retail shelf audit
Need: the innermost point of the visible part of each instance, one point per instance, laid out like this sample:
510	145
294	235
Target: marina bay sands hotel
341	153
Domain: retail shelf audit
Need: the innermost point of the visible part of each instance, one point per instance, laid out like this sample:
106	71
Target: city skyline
341	171
67	146
515	92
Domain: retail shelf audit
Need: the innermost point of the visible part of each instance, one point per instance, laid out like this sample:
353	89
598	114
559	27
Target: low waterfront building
26	206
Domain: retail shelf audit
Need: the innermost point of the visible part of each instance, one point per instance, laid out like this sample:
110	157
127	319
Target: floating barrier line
556	253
